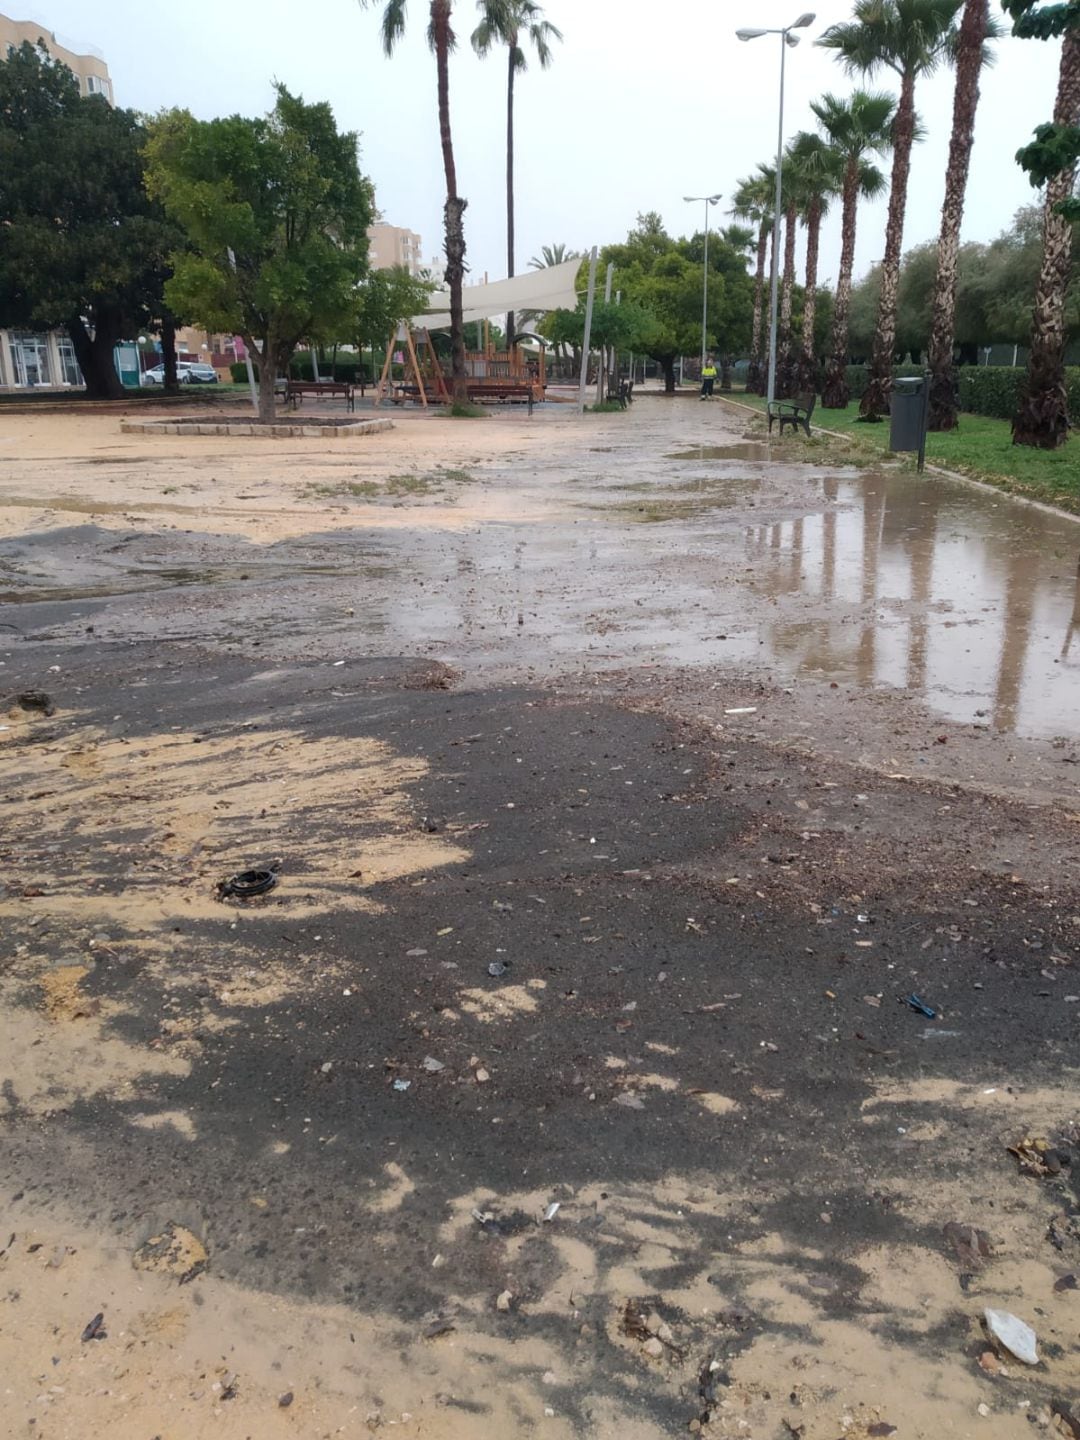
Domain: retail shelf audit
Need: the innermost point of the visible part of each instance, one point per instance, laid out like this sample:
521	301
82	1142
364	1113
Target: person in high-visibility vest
708	378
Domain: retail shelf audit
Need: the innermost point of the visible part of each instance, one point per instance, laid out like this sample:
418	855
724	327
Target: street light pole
786	39
707	200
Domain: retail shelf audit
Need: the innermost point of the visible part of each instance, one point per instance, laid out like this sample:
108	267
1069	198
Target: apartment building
85	62
391	245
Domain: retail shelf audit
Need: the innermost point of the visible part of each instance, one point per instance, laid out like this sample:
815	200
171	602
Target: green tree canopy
276	214
81	245
1056	147
386	299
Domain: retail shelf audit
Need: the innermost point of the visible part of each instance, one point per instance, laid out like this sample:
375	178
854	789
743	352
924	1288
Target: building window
30	359
69	366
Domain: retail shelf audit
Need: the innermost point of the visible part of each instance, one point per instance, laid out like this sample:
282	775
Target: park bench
499	390
621	392
796	413
320	389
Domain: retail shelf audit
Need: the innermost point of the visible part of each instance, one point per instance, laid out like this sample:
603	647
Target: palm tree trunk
791	229
753	379
969	62
454	210
836	393
813	242
1042	417
875	402
510	184
758	378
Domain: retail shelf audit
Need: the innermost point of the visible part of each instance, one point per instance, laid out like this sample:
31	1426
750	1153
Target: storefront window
72	375
30	359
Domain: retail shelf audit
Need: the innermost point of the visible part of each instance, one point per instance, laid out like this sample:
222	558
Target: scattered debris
1019	1339
433	1066
630	1101
498	968
1038	1157
481	1076
1067	1282
176	1251
881	1427
552	1210
246	884
989	1362
96	1328
36	700
972	1246
1068	1421
439	1325
402	1085
916	1003
284	1401
504	1301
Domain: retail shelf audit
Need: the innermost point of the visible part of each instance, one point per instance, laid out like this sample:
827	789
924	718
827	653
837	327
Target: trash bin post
909	414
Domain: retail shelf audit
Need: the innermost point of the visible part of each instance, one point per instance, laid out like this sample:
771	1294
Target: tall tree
859	127
911	38
551	255
276	214
820	169
1042	417
976	27
513	23
792	194
442	40
750	202
81	245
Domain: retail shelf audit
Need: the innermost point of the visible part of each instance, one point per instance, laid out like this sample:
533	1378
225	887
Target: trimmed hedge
858	377
994	390
350	372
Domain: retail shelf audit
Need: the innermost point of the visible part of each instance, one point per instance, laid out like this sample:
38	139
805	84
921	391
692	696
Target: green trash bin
908	411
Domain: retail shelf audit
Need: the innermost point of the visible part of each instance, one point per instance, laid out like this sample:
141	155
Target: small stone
482	1076
653	1322
284	1401
665	1333
653	1348
984	1410
503	1301
550	1378
549	1412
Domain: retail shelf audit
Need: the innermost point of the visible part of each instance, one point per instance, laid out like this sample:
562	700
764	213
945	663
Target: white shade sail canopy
552	288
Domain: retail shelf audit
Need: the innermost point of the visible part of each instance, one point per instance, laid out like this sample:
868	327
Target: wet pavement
568	1082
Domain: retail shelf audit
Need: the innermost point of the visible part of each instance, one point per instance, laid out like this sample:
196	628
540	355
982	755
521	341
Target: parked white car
187	373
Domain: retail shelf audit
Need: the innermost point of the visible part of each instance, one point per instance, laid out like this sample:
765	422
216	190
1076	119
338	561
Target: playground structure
493	376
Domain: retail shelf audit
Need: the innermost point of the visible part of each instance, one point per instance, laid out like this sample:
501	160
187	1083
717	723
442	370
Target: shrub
994	390
858	377
347	371
239	372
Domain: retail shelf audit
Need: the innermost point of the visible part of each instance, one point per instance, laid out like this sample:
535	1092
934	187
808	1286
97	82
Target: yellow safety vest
709	372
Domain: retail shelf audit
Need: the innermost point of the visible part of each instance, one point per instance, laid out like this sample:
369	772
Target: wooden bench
621	393
797	413
483	390
320	389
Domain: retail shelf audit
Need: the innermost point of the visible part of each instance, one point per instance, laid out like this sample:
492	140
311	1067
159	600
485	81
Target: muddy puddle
748	451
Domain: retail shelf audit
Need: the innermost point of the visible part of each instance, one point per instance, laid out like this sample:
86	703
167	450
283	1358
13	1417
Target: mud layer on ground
568	1080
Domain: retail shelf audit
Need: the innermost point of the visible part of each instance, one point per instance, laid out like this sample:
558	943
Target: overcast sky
647	101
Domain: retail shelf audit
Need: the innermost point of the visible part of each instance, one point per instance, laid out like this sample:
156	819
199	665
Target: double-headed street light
786	38
706	200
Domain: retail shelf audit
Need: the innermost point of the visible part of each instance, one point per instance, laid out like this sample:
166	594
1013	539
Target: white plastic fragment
1019	1339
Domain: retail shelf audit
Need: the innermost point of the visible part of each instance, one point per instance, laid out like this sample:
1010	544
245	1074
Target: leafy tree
442	41
664	278
81	245
1042	417
972	53
276	213
513	23
911	38
386	300
860	128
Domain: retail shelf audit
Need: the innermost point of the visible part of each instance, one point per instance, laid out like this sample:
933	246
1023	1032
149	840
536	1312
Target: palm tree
792	195
739	237
753	202
509	22
976	27
551	255
912	38
442	40
820	168
858	127
1042	416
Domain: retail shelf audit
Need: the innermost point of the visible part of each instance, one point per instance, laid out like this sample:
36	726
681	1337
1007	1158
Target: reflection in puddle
752	451
971	603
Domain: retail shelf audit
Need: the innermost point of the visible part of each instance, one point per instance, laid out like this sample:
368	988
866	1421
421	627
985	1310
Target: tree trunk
168	355
267	363
835	392
1042	416
454	210
969	62
791	230
510	185
813	239
95	357
875	402
668	363
759	290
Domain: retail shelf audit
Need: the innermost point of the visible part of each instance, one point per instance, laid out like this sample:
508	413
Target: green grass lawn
981	448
